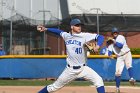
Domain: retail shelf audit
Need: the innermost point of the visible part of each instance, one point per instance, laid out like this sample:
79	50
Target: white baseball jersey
124	54
116	50
76	54
76	57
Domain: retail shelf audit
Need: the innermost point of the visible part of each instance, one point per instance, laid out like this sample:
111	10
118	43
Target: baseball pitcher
76	67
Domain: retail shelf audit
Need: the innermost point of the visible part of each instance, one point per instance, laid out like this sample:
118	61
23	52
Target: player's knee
117	74
99	82
128	66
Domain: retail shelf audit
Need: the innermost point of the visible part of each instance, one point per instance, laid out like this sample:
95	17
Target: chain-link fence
19	34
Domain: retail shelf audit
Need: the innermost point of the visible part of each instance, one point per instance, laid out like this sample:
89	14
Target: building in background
19	18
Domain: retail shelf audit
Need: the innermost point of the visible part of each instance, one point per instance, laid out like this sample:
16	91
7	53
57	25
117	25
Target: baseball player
120	48
76	57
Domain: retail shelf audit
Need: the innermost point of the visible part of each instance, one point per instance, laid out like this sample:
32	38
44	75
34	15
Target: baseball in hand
38	28
41	28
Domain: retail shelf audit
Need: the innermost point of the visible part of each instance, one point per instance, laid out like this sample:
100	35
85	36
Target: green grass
24	82
43	83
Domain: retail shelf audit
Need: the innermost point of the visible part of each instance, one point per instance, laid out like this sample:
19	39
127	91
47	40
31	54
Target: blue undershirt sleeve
55	31
109	53
119	45
100	40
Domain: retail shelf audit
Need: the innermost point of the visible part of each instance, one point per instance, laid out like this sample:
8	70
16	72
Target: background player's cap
114	29
75	22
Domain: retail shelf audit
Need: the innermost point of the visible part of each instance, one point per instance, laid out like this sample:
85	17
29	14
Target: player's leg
128	62
62	80
92	76
119	69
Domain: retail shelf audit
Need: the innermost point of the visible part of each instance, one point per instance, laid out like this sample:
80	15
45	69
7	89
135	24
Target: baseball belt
124	53
76	67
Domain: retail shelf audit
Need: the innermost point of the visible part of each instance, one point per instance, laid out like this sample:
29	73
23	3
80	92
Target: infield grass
44	82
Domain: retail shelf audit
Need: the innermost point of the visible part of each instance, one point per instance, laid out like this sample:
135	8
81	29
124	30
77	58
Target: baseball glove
90	46
109	41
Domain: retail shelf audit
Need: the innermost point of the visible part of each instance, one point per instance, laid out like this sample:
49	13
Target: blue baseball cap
114	29
75	22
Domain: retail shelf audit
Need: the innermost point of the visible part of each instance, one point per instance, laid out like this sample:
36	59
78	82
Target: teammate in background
2	52
120	48
76	57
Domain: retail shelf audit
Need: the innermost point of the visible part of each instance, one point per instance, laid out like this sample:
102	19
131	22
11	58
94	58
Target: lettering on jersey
73	42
